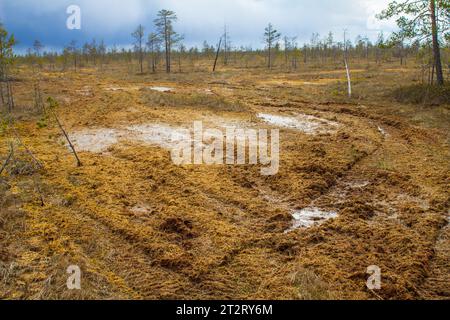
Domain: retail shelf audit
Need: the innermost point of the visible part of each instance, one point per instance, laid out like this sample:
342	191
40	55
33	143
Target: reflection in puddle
99	140
140	209
305	123
95	140
309	217
161	135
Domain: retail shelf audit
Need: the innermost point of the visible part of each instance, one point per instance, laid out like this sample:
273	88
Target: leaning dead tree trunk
52	104
349	81
79	164
217	55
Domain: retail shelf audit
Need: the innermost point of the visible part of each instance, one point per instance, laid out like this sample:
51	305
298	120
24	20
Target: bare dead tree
138	35
226	46
349	81
217	54
154	46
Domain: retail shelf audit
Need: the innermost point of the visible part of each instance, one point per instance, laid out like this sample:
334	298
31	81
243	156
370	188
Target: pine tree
423	20
164	25
271	37
7	42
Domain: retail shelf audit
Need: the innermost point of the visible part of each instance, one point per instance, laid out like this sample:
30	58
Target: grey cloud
114	20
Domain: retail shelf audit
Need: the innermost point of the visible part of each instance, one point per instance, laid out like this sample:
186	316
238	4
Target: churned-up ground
362	181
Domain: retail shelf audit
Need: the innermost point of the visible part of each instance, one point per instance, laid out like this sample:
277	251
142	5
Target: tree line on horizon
423	32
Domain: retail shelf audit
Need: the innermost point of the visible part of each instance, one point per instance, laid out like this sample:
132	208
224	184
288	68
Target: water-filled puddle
100	140
94	140
164	136
309	217
302	122
161	89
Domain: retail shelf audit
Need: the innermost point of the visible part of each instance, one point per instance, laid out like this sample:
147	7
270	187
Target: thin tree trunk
10	95
348	78
68	140
436	47
166	39
2	96
432	74
153	62
217	55
1	92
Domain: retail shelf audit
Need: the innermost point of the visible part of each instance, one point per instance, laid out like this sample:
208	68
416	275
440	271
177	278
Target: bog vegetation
85	176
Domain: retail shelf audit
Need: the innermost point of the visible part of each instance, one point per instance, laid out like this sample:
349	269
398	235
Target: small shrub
42	123
423	94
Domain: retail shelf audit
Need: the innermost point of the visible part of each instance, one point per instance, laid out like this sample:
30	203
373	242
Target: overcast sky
198	20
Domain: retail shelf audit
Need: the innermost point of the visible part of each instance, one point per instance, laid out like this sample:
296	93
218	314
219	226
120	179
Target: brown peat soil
141	227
